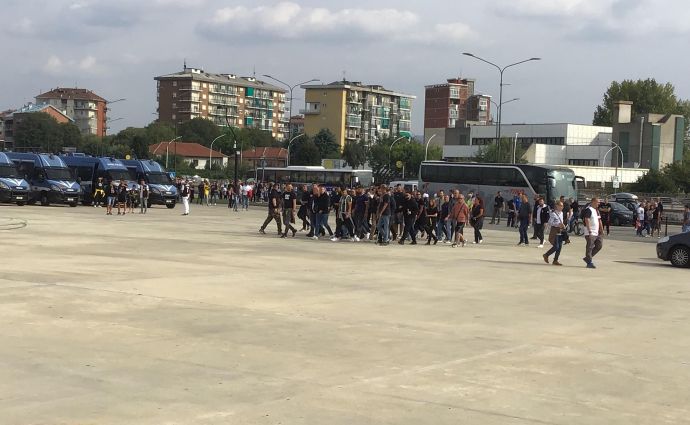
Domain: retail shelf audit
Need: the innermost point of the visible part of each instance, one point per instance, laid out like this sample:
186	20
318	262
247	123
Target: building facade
244	102
555	144
86	108
353	111
647	140
453	104
195	154
296	125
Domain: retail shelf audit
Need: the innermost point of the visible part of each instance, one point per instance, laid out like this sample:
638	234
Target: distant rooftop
357	85
71	93
197	74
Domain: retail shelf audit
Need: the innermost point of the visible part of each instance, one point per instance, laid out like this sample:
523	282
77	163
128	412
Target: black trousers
410	228
539	232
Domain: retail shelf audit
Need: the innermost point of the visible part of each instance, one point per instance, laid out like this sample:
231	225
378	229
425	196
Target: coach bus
331	178
549	181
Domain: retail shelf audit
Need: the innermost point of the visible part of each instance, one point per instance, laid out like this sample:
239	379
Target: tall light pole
210	150
603	163
291	88
234	145
504	103
501	70
426	149
288	146
105	113
167	148
515	146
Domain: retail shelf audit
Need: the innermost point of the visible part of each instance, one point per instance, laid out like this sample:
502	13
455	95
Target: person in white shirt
593	228
555	234
245	188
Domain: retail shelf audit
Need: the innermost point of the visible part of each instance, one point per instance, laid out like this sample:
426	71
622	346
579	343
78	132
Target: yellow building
352	111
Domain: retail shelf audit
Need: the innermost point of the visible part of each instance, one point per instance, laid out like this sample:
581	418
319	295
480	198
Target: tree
655	182
39	130
199	130
158	132
354	153
71	136
307	153
490	153
326	143
647	96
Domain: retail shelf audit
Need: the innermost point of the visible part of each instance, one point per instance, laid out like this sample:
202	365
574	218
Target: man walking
185	197
384	214
498	208
143	197
593	231
542	217
410	208
524	218
289	210
273	210
460	215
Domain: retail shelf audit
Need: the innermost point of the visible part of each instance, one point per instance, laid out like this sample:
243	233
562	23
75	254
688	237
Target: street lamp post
234	146
288	146
291	88
603	162
515	146
210	150
504	103
426	148
501	70
167	148
390	148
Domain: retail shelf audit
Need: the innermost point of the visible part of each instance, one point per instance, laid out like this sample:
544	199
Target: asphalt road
165	319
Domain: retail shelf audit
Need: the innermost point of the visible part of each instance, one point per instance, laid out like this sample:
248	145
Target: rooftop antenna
254	71
185	64
344	76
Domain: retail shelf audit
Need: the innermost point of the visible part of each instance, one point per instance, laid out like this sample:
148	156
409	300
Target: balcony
311	109
353	122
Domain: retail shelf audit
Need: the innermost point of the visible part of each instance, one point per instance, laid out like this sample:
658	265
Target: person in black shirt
498	209
361	212
313	209
274	204
575	212
511	213
303	202
397	217
477	219
410	208
384	214
110	193
335	206
373	212
99	193
432	220
323	208
289	208
122	197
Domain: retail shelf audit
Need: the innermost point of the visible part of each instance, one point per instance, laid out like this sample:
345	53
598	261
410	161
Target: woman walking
432	222
555	234
477	219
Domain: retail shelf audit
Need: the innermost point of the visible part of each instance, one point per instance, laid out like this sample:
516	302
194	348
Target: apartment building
453	104
10	119
354	111
87	109
245	101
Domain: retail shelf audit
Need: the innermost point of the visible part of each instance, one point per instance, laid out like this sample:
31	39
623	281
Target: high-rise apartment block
245	101
353	111
86	108
454	105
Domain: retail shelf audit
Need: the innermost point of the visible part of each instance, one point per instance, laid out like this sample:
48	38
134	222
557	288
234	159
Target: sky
117	47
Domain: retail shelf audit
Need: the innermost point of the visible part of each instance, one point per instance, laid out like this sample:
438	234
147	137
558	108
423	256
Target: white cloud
60	66
290	21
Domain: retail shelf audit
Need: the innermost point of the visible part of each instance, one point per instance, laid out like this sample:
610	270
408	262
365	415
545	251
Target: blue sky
116	47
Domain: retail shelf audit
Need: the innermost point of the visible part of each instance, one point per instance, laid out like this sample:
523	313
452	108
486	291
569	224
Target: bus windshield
59	174
9	171
159	178
564	182
118	175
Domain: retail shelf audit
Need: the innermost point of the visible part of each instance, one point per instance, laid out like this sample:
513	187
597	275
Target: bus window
315	177
335	178
282	176
299	176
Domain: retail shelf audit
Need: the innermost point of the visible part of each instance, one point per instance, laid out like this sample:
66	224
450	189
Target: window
174	105
584	162
174	83
174	95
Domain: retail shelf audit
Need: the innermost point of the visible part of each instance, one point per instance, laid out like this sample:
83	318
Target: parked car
621	215
675	248
629	200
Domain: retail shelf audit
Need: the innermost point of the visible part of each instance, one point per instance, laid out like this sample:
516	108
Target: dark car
621	215
675	248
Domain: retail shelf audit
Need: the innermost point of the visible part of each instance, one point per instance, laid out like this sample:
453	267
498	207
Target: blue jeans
524	224
322	221
556	248
383	227
245	202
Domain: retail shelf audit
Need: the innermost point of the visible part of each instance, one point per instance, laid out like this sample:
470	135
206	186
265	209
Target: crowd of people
384	215
117	194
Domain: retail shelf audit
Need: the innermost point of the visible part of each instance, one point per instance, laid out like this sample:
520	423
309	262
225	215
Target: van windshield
9	171
117	175
59	174
159	178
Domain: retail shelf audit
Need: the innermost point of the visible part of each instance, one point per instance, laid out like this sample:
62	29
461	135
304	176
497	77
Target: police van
162	190
88	169
50	181
13	188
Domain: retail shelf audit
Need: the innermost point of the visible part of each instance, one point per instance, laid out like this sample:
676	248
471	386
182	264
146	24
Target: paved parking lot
164	319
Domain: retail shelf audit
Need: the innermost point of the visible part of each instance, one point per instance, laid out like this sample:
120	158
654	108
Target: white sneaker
367	236
481	240
474	243
540	246
334	239
316	238
355	239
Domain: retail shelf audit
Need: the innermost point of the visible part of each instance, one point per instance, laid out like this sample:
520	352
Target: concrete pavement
164	319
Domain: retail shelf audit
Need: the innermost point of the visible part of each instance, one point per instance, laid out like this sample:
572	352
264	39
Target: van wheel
680	256
21	204
73	204
44	199
170	206
148	204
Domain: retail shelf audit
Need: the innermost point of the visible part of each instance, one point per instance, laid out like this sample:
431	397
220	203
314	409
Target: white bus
549	181
331	178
